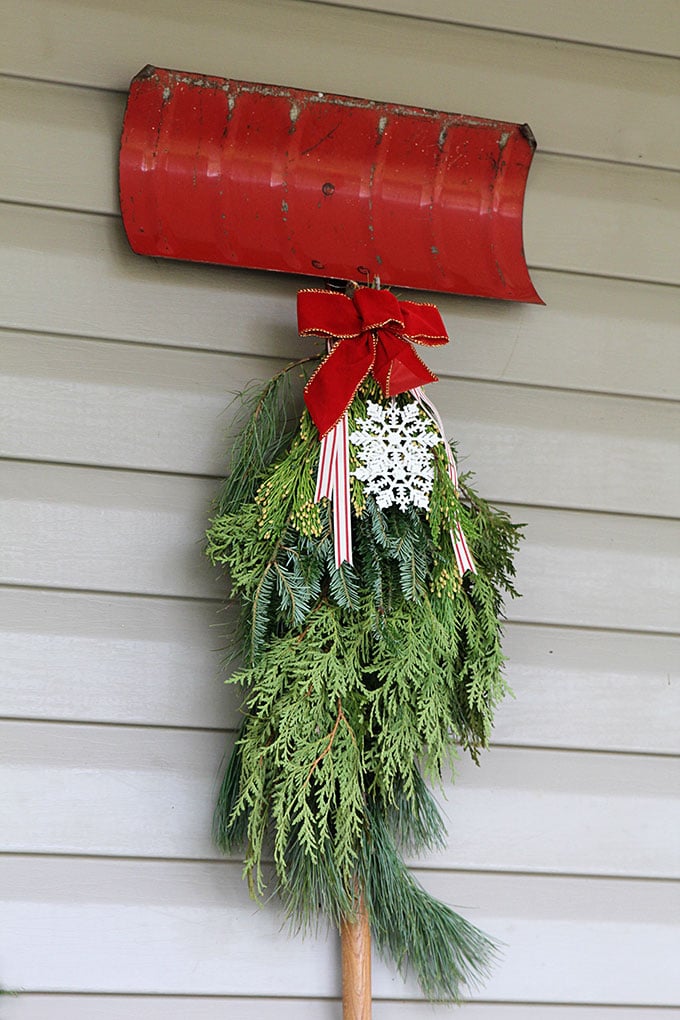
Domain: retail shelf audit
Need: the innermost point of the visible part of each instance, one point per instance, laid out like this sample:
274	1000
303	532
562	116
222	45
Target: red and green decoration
371	580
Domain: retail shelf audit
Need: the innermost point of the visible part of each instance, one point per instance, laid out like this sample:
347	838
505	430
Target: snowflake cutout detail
393	446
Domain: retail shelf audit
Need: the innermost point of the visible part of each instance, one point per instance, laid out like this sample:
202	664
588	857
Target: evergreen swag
359	682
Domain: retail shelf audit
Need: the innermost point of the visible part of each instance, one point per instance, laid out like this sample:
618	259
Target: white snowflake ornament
393	446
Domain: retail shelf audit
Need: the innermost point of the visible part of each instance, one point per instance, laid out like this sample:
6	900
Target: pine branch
446	952
267	422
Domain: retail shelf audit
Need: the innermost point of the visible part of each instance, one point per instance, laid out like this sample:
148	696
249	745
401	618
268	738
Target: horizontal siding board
590	689
68	527
580	215
153	1007
59	145
94	285
629	98
114	926
82	401
102	658
575	568
652	27
113	659
594	334
528	811
560	449
122	405
600	218
106	531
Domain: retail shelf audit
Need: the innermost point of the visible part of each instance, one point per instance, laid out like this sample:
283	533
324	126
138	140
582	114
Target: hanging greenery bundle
371	582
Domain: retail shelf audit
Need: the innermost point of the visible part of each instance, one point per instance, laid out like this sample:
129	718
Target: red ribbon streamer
373	330
332	483
461	550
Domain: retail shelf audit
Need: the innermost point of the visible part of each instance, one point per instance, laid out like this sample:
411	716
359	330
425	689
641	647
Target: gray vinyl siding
117	374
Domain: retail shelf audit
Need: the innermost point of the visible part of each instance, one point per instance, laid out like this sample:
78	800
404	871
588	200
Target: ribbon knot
373	333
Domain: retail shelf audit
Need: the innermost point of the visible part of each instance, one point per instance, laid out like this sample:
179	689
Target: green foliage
419	932
357	682
267	422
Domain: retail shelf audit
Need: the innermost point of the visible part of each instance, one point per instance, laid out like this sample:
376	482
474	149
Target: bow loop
326	313
373	330
378	308
423	324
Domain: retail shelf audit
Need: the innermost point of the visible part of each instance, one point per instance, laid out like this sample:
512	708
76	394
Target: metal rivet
328	188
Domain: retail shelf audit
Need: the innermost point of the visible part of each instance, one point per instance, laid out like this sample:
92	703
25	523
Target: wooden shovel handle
356	967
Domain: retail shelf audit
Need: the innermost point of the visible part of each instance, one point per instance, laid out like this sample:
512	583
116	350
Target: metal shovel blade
266	177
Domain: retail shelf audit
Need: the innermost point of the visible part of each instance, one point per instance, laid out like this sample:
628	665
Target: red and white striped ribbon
332	482
464	560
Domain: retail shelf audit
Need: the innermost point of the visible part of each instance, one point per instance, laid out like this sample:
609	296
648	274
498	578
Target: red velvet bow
373	330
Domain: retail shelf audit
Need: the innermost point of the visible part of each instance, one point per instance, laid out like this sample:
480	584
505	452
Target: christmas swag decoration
371	581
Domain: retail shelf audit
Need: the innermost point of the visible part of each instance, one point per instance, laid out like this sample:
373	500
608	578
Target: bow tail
332	388
397	367
461	550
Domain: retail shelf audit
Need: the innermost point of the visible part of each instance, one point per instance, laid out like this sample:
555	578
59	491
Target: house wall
116	378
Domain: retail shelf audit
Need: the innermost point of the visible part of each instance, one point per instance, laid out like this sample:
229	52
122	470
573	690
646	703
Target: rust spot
348	102
370	200
527	133
317	264
497	265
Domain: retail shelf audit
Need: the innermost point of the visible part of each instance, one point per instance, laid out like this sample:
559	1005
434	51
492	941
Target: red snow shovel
267	177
